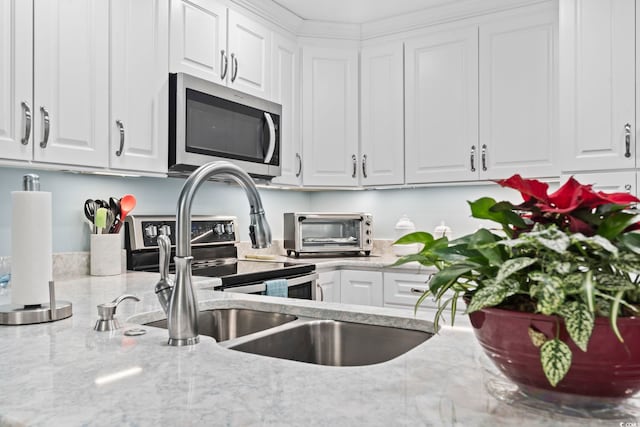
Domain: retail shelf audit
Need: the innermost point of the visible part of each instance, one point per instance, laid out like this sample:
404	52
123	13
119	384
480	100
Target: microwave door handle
272	137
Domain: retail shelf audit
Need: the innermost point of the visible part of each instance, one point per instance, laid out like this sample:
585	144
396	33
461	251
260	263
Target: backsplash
427	206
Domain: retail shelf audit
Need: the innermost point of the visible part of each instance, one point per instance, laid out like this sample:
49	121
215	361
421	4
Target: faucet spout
182	315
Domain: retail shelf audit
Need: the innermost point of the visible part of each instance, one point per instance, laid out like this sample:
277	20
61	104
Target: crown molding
273	13
330	30
438	15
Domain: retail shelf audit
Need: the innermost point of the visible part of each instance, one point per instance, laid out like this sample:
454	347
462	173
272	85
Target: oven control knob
165	230
229	228
368	232
151	231
218	229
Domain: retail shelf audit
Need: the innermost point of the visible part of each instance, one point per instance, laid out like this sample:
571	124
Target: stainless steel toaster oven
323	232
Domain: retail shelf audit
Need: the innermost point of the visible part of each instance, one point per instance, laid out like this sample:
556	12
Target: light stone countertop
64	373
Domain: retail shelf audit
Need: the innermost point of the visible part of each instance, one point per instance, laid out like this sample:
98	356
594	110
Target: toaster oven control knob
229	228
368	232
368	223
151	231
218	229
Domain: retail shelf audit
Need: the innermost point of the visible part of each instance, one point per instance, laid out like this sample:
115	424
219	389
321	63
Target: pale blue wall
154	196
425	206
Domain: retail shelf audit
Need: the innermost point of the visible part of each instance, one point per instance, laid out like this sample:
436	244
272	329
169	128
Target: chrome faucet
182	313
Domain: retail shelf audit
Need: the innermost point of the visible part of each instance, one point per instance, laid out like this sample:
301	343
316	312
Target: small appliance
328	232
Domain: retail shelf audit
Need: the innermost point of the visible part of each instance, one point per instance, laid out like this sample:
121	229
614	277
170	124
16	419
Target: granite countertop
64	373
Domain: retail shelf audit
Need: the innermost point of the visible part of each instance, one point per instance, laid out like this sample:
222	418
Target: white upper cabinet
16	76
441	107
330	116
199	39
518	99
139	86
250	55
381	115
286	91
481	102
597	81
217	44
71	82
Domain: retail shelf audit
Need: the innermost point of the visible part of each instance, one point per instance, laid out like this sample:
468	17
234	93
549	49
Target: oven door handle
261	287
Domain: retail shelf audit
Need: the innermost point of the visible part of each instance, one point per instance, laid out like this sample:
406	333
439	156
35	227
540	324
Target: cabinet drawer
404	289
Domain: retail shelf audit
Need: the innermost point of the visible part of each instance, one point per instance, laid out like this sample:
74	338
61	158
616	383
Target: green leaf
579	322
487	297
614	224
631	241
484	242
588	286
613	317
416	237
507	208
556	360
628	262
550	238
422	259
537	337
596	242
512	266
447	276
482	209
572	283
612	282
548	293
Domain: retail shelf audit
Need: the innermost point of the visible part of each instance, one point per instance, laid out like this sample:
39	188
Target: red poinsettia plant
574	207
570	254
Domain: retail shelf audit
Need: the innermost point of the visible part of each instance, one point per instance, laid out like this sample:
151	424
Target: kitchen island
65	373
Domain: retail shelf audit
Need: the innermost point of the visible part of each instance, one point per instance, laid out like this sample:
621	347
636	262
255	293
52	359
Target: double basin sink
321	342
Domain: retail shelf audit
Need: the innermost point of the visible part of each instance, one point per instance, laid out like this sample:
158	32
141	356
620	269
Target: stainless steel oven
209	122
325	232
215	254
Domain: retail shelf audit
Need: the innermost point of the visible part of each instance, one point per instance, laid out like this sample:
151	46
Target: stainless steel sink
335	343
229	323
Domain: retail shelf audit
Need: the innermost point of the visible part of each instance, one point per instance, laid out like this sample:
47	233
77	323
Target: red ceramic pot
608	368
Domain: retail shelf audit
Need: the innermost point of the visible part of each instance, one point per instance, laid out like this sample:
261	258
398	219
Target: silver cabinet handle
121	128
627	140
364	166
234	67
418	291
627	187
224	64
45	118
355	165
272	137
299	165
27	123
321	292
484	157
472	158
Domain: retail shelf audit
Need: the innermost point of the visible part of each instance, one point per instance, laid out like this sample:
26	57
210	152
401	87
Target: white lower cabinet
361	287
328	286
402	290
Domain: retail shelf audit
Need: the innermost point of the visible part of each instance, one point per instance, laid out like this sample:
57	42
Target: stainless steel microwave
210	122
322	232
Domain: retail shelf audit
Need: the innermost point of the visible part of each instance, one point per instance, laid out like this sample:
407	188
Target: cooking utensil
114	208
101	219
127	203
90	213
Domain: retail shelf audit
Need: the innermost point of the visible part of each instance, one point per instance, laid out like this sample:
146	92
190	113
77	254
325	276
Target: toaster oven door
322	233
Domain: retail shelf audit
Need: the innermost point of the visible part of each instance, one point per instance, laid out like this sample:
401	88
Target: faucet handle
107	311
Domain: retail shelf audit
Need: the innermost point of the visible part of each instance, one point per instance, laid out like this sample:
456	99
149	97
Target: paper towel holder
39	313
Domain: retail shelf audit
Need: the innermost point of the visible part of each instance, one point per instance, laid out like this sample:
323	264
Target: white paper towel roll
31	247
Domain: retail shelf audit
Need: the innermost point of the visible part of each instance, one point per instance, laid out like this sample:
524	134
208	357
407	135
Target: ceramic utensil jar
106	254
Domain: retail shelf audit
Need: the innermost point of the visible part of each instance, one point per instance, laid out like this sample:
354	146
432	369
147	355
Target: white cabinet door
199	39
361	287
610	182
249	44
328	286
71	82
286	91
139	85
441	107
16	74
518	96
597	81
381	115
329	116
